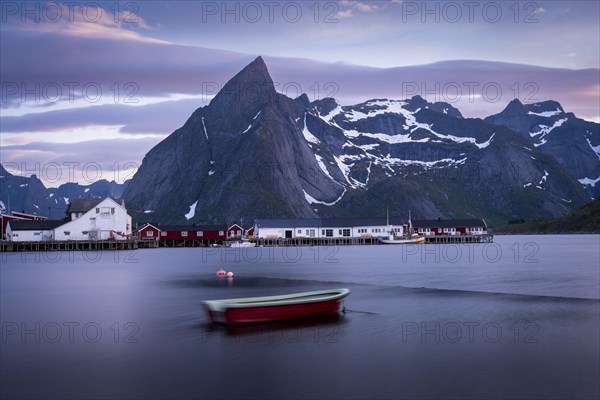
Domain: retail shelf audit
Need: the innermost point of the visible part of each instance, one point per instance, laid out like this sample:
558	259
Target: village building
5	218
29	230
452	227
327	228
96	219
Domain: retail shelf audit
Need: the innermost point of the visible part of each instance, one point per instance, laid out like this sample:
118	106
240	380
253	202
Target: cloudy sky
92	86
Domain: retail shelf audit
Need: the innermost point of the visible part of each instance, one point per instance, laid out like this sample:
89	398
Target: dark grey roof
33	225
326	222
448	223
82	205
190	228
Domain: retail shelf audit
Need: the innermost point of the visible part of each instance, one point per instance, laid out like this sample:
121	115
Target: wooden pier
79	245
442	239
75	245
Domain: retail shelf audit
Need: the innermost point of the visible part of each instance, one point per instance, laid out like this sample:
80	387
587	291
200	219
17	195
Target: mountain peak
515	107
248	91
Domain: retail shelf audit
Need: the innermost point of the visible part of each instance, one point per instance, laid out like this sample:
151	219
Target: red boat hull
236	316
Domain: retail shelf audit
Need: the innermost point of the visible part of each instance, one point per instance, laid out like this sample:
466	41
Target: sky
88	88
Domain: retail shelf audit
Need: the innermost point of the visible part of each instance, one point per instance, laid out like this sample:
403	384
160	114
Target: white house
22	230
95	219
327	228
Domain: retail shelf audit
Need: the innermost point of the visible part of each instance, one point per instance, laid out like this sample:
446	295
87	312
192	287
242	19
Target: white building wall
337	232
29	236
99	219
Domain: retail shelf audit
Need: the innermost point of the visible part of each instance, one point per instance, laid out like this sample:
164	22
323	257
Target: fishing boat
403	240
410	238
275	308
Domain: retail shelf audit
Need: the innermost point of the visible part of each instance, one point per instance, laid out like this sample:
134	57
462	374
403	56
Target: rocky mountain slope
573	142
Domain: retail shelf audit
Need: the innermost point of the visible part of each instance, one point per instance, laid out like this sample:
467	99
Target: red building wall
149	232
235	231
206	235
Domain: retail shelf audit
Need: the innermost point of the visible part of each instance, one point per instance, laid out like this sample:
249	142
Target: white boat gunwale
279	300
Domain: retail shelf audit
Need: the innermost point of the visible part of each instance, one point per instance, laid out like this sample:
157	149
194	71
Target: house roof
448	223
147	225
83	205
326	222
191	228
27	216
35	225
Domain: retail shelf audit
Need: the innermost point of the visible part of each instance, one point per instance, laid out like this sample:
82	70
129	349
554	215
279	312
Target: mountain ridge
309	158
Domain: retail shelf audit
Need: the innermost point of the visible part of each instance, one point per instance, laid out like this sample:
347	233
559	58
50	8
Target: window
112	210
37	233
199	233
221	233
239	232
67	233
97	210
346	232
310	232
300	231
183	233
163	234
328	232
150	233
84	232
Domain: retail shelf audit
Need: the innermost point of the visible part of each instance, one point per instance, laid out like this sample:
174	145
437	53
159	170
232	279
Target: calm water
516	319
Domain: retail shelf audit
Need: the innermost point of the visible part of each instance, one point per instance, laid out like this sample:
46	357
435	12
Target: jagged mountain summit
253	152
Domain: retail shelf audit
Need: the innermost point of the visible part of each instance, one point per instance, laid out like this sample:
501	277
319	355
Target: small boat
242	243
275	308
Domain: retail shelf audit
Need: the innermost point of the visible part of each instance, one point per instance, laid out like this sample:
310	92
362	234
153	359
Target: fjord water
519	318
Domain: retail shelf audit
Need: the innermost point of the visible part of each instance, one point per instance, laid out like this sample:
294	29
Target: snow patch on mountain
312	200
595	149
545	130
546	114
251	123
544	177
192	211
485	144
323	166
589	181
308	135
204	126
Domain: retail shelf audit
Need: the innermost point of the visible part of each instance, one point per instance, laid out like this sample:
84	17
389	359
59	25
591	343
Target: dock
134	244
